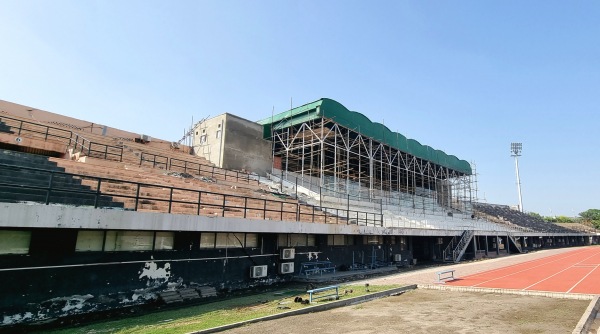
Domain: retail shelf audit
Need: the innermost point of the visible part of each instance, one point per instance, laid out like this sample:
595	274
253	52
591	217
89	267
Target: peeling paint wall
111	280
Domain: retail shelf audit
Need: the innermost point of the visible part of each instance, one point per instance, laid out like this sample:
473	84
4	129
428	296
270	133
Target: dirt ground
434	311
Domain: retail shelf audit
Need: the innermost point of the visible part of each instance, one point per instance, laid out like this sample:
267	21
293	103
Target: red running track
577	271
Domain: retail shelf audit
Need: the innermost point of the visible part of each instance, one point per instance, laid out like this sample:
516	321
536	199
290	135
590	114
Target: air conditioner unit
145	138
397	257
286	268
288	253
258	271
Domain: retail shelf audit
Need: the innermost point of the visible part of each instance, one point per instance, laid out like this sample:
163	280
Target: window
373	239
218	134
202	139
228	240
296	240
282	240
207	240
336	240
402	243
196	133
14	242
251	240
92	241
128	240
163	241
89	241
311	240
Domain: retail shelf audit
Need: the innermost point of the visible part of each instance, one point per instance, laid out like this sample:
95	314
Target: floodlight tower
515	149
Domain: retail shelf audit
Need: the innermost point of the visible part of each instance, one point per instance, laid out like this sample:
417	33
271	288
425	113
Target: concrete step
13	195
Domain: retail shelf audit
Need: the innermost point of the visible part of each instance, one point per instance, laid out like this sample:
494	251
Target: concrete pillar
497	245
486	245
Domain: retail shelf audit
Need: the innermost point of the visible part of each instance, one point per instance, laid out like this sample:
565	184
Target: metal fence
185	166
138	196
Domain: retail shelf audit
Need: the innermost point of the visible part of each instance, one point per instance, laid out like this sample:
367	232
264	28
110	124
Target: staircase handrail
87	145
512	238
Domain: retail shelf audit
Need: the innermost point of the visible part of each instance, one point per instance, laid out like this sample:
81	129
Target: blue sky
467	77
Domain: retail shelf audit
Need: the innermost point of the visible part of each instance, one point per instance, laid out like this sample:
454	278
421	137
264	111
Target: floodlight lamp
516	148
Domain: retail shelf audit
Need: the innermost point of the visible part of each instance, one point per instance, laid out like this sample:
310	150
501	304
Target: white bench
445	275
314	293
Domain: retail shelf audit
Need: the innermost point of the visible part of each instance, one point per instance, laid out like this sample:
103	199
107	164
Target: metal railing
157	161
135	196
514	241
401	203
462	245
450	248
71	139
96	150
185	166
21	127
453	252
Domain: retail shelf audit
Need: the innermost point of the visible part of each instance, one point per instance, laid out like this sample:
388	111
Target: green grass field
218	313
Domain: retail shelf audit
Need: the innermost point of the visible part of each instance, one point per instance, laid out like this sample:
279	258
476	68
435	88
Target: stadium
95	218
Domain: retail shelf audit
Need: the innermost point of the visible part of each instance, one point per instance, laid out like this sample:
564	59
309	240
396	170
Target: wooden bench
323	293
445	275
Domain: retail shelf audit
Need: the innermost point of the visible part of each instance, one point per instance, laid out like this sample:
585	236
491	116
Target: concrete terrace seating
62	131
156	193
150	155
505	213
221	201
396	215
18	184
157	153
579	227
28	128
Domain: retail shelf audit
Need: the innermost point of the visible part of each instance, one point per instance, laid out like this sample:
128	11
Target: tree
591	214
564	219
535	215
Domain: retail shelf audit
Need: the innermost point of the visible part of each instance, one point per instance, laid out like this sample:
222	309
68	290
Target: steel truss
347	163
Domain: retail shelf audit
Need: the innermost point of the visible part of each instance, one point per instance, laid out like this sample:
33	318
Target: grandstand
95	218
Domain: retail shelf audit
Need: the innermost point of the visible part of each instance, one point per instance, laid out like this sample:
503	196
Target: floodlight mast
515	149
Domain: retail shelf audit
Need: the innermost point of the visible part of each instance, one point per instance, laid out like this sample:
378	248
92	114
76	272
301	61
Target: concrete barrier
587	319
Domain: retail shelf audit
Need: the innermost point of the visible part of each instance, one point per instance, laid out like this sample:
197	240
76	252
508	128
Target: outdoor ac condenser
286	268
258	271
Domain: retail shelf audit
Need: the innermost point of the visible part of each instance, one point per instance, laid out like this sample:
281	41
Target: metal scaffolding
345	163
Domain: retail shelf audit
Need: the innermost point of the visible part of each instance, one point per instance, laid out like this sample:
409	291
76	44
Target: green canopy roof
335	111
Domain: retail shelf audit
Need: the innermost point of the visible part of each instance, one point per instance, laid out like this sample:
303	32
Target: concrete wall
208	141
245	149
231	142
59	216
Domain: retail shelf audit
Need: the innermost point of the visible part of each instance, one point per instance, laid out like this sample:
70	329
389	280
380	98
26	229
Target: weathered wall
57	216
208	140
231	142
245	149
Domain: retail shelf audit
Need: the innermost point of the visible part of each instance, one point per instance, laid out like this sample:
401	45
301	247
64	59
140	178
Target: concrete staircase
27	177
